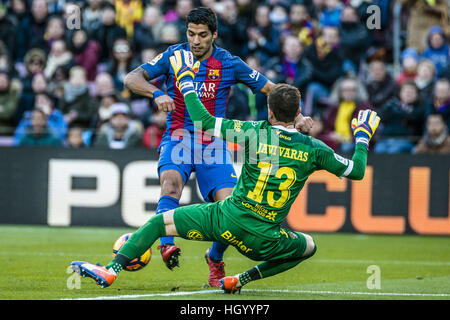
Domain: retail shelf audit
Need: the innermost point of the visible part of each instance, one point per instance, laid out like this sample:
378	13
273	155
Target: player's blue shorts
212	163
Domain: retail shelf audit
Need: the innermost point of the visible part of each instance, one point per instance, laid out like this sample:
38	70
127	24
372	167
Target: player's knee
171	186
310	248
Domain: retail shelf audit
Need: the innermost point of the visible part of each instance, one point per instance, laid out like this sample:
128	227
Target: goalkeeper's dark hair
284	101
203	15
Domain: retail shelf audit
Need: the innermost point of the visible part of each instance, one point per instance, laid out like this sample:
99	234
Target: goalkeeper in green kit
277	162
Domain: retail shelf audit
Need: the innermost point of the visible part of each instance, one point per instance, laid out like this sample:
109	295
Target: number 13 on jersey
257	194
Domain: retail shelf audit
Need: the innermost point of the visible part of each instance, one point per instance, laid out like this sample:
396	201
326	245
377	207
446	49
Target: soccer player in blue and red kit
184	149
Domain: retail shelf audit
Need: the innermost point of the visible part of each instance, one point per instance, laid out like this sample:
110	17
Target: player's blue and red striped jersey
212	82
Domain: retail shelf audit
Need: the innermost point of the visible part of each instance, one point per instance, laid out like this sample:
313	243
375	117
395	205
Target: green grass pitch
34	264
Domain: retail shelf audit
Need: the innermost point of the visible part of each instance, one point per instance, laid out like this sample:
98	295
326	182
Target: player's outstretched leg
102	276
134	247
266	269
214	257
169	251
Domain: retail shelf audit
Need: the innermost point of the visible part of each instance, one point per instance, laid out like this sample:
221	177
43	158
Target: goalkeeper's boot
230	284
102	276
216	271
170	254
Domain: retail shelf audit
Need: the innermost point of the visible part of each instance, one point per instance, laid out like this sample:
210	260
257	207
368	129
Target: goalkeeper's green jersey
277	163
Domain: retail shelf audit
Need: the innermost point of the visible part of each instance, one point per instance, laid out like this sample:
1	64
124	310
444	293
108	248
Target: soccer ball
136	264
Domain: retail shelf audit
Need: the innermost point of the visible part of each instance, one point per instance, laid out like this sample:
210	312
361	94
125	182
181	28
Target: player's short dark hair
284	101
203	15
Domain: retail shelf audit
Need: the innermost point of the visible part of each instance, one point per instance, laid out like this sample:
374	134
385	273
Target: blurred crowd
62	66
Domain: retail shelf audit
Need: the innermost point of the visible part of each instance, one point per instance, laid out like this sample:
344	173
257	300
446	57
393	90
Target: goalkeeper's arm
363	129
201	118
183	66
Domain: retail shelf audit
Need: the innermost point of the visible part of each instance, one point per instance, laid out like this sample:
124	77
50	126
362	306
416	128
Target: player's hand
165	103
184	68
303	124
365	126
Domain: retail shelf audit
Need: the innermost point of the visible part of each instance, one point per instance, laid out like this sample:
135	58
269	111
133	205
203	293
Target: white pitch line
185	293
133	296
352	292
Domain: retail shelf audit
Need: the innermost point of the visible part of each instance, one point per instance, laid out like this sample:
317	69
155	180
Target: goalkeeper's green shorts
205	222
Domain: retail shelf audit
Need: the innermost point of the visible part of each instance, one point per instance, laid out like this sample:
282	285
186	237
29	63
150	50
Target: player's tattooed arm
138	82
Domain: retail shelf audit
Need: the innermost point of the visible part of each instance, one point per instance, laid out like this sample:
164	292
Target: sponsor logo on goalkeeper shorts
195	235
227	235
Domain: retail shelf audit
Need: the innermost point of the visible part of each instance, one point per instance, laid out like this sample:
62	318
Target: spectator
128	13
59	56
108	31
170	35
120	65
54	30
17	12
263	36
326	62
120	132
244	11
154	132
7	32
38	134
9	99
292	67
380	85
319	131
104	111
5	59
92	17
103	85
422	15
75	137
55	6
232	33
446	72
329	17
55	119
354	39
86	52
279	15
37	84
436	139
441	100
402	121
347	98
300	24
315	8
148	32
182	9
425	81
437	49
30	33
238	106
410	61
57	81
77	104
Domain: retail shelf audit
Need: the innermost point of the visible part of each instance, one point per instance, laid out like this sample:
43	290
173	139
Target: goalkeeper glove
184	68
365	126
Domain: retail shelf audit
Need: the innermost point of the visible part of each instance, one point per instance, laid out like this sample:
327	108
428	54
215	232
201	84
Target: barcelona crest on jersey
213	74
